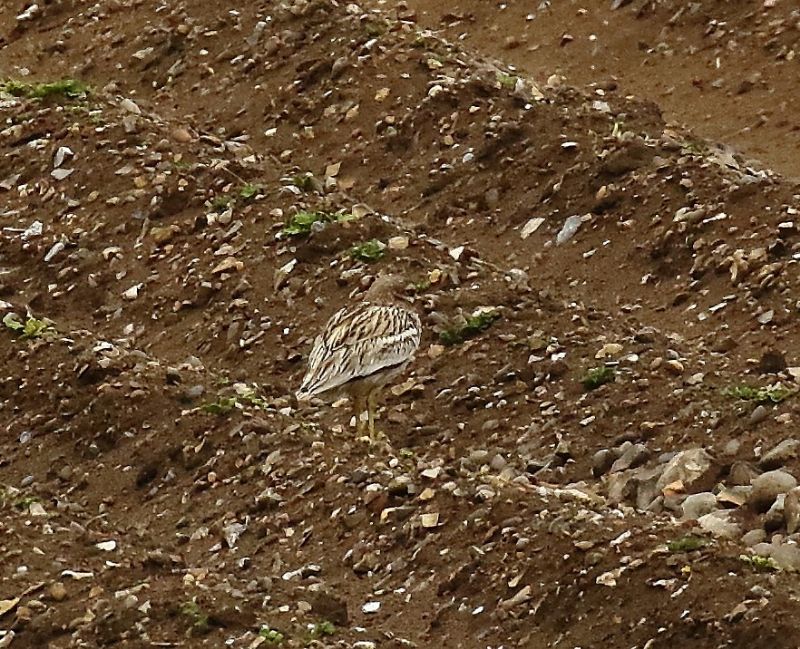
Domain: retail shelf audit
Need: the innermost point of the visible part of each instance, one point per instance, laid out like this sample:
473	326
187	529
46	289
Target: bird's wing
358	342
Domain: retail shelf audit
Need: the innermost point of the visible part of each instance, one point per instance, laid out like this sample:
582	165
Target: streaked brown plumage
362	348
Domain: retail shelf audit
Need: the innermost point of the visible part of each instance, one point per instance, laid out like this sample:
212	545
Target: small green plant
368	251
222	406
687	544
305	182
420	41
196	616
248	395
472	326
771	394
31	328
761	564
694	147
421	286
66	88
598	376
273	636
25	502
322	629
302	223
249	191
507	80
245	396
374	29
8	496
221	202
11	321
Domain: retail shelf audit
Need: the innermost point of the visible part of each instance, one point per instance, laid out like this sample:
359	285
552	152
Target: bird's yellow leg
358	408
371	414
372	406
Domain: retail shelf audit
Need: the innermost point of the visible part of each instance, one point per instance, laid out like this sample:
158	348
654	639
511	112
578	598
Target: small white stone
133	292
371	607
61	174
398	243
62	154
430	521
531	226
130	106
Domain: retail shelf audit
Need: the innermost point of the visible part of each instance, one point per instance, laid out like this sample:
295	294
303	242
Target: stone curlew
362	348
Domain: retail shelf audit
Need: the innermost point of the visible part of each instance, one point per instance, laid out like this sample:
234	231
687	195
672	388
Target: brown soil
171	288
729	71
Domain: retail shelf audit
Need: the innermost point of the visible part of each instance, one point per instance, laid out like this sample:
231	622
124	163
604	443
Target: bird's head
387	288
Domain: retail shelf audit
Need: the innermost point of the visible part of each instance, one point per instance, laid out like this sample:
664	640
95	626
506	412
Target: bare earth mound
596	446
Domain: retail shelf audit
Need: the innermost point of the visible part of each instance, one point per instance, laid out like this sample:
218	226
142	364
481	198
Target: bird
362	348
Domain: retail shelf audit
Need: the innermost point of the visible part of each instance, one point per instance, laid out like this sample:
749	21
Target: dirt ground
607	459
726	70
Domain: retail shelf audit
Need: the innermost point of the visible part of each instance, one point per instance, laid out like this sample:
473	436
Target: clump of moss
764	395
368	251
598	376
478	322
64	88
